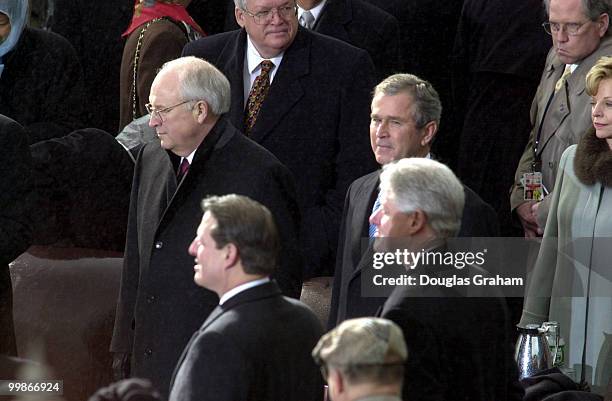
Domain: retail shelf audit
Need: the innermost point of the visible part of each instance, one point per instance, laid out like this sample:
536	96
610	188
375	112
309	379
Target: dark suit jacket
314	119
15	223
159	305
360	24
367	27
479	220
255	347
459	348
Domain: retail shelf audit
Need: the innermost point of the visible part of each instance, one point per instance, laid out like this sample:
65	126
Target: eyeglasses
264	17
571	28
158	113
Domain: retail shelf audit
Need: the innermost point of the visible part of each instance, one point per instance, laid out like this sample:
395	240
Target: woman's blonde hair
600	71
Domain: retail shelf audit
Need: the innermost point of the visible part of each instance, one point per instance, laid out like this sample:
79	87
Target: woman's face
601	111
5	27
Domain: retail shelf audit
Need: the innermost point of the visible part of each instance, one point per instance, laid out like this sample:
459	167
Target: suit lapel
286	89
364	202
558	109
265	290
234	69
367	194
176	194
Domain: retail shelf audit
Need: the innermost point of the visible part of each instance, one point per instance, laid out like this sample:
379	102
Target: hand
121	365
526	213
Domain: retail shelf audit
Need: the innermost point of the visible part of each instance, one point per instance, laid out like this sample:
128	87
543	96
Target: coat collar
593	161
262	291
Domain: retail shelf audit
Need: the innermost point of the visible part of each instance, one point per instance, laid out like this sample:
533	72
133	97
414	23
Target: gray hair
426	106
200	80
424	184
592	9
241	4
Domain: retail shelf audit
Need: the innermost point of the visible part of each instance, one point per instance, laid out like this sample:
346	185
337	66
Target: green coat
579	225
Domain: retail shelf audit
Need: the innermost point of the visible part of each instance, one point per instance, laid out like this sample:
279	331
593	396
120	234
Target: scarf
148	10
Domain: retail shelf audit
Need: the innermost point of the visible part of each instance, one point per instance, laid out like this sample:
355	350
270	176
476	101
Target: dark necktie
182	170
258	93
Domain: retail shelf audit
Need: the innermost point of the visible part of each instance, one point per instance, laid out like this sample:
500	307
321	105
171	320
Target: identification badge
532	184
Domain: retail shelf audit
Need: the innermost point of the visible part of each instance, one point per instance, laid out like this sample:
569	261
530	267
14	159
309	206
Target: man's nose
382	130
276	17
561	35
154	120
193	247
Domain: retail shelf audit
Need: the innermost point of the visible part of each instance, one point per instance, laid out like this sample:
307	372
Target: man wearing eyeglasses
560	111
304	97
199	153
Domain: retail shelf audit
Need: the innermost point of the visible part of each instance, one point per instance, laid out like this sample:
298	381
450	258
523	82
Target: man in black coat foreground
199	153
458	334
256	344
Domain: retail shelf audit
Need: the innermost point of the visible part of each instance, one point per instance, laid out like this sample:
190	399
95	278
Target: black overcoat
159	305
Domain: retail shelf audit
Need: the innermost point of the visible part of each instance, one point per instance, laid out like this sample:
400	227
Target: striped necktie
372	229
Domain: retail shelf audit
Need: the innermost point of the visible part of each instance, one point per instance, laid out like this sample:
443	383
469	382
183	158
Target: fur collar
593	161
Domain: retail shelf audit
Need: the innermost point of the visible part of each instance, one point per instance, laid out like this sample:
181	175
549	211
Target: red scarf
143	14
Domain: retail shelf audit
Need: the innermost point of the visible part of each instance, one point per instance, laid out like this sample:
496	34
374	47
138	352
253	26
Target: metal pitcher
532	353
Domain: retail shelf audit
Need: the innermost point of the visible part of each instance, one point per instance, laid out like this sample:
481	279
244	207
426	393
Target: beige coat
577	239
568	116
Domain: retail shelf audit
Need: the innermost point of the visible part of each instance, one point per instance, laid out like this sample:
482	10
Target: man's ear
604	21
240	16
417	221
201	111
336	383
231	255
429	132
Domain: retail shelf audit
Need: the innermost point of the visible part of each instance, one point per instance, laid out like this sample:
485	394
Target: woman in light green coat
572	279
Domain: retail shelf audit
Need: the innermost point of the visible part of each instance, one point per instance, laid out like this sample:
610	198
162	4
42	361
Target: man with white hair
460	347
199	153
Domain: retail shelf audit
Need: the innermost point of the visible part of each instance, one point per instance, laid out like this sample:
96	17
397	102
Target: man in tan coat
560	112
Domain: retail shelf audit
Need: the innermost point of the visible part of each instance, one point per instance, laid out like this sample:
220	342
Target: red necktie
258	93
182	170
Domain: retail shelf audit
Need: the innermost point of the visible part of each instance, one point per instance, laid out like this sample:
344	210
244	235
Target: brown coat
568	116
163	41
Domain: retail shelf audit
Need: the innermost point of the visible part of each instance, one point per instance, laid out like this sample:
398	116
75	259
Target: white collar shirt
252	67
242	287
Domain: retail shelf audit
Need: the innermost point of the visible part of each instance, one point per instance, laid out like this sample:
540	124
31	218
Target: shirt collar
190	157
242	287
315	11
254	58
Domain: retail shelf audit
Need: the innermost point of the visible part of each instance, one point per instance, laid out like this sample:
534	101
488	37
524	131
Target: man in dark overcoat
199	153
